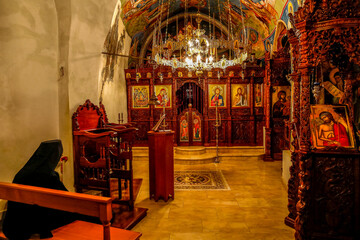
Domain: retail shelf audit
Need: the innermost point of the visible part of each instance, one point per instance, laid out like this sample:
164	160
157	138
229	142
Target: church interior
181	119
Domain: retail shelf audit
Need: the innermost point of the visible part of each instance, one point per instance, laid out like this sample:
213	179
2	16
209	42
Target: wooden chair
103	154
106	120
85	204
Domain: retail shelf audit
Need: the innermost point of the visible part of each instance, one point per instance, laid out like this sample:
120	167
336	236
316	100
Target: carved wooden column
152	80
267	102
252	117
205	112
293	182
348	94
174	109
129	98
228	102
304	156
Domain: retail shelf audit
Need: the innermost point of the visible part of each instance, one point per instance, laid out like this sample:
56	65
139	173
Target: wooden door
190	128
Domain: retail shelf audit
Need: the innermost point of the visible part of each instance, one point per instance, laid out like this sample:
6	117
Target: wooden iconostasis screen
240	97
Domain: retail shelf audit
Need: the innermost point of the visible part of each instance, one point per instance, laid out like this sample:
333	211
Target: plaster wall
90	22
50	62
114	90
29	111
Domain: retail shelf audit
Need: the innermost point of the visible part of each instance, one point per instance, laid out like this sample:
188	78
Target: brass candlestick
217	125
164	124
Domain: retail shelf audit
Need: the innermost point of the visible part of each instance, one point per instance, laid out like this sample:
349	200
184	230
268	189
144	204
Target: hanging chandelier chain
219	15
167	20
209	19
186	19
230	22
243	22
198	50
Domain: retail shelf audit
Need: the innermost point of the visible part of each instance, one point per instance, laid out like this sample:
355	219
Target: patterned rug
200	180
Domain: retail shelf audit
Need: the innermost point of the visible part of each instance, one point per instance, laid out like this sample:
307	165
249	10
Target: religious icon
169	75
163	93
253	36
231	73
330	127
217	93
128	75
140	96
184	128
196	127
236	44
180	74
240	96
258	95
210	74
138	75
148	75
335	86
189	74
281	99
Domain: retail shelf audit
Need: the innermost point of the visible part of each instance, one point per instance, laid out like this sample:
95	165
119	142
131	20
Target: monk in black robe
23	220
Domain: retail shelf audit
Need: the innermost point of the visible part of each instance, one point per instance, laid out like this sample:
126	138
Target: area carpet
200	180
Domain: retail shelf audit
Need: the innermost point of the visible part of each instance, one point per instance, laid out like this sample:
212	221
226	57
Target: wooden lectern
161	164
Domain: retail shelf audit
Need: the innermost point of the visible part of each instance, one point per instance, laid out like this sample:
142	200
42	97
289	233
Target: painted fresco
240	96
281	100
258	95
163	93
330	127
140	96
184	128
217	92
196	127
260	17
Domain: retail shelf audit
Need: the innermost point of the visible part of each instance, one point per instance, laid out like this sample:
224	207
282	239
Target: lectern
161	164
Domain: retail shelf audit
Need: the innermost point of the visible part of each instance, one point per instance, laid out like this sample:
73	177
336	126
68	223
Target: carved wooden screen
184	127
241	96
190	127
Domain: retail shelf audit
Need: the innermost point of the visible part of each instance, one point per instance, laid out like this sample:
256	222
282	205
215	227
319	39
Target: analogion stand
161	164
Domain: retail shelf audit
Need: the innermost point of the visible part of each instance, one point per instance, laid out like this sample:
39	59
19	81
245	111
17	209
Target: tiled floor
254	208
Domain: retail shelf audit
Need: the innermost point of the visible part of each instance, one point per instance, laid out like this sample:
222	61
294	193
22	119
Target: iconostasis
190	104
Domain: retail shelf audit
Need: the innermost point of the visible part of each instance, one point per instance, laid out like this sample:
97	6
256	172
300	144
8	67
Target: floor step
200	154
192	150
194	159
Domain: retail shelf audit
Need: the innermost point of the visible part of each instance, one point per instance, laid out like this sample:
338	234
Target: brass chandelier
199	50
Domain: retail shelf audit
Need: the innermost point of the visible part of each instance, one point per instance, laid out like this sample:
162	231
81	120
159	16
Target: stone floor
254	208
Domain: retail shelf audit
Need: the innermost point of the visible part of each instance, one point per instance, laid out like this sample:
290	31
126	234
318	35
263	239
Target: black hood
42	162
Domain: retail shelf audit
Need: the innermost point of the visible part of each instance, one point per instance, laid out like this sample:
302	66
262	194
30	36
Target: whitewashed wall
37	38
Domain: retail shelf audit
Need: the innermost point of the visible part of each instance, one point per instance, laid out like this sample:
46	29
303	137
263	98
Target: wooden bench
89	205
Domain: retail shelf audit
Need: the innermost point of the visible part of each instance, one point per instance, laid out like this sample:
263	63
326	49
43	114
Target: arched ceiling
260	17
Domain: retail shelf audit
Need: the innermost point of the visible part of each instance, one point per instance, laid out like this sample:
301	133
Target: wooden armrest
81	230
124	130
93	134
62	200
95	206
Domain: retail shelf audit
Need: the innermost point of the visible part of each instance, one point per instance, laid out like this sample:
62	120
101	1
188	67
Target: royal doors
190	128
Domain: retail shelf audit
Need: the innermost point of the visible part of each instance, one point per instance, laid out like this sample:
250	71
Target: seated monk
22	220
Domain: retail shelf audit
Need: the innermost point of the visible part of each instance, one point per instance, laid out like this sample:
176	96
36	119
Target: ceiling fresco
260	17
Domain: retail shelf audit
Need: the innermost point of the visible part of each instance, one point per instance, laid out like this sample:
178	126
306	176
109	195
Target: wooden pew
89	205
